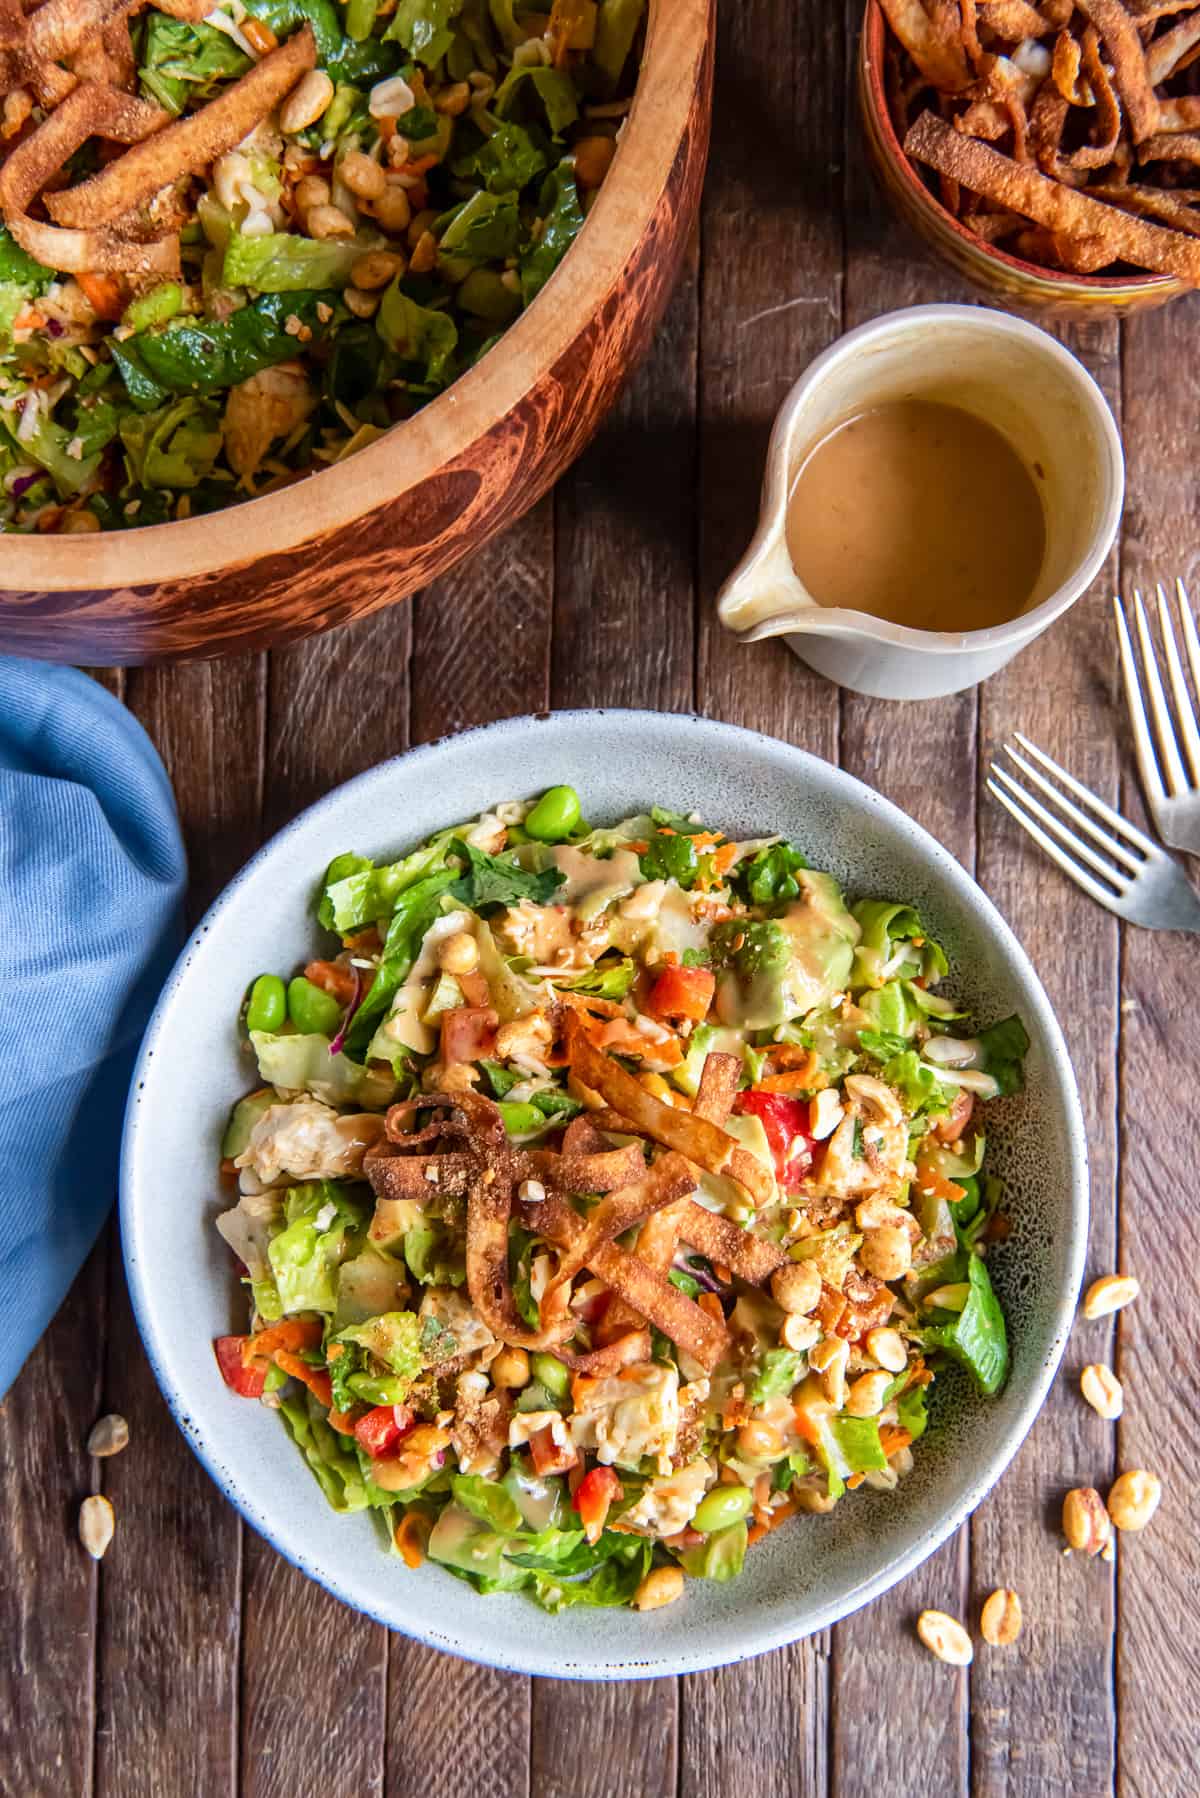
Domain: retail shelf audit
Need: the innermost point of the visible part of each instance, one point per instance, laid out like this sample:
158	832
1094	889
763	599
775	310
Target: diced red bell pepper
382	1428
468	1033
246	1378
786	1122
594	1494
682	993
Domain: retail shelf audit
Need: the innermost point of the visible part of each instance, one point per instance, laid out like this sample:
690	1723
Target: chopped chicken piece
307	1140
631	1415
270	405
668	1503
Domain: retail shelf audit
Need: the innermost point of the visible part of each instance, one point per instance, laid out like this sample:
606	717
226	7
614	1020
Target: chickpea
393	210
886	1252
79	521
362	175
510	1369
328	221
593	159
419	226
311	190
796	1287
373	270
759	1441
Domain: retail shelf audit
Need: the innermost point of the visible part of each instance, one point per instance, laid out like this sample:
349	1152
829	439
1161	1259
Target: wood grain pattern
1158	1656
208	1667
402	513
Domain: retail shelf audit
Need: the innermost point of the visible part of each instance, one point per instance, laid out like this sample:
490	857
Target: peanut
1112	1292
1134	1498
362	175
1086	1523
328	221
510	1369
307	102
1000	1619
886	1346
796	1287
1102	1390
96	1525
865	1398
593	159
661	1587
109	1435
373	270
946	1638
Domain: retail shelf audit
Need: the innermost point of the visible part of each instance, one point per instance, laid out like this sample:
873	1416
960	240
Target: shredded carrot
855	1480
333	979
709	1302
724	858
934	1184
704	839
292	1333
386	129
797	1081
412	1535
228	1169
763	1526
369	938
341	1421
103	294
806	1429
315	1378
639	848
893	1438
260	37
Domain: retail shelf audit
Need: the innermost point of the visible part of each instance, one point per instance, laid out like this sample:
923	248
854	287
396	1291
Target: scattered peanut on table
1086	1523
1102	1390
945	1638
1134	1498
1112	1292
1001	1618
108	1435
96	1525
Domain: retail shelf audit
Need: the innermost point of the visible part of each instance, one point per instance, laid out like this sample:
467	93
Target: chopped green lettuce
769	878
720	1556
282	262
562	221
494	880
778	1373
325	1224
424	338
304	1064
175	446
977	1337
1003	1049
334	1465
183	62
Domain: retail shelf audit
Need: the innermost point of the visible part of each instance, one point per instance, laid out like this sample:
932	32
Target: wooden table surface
194	1662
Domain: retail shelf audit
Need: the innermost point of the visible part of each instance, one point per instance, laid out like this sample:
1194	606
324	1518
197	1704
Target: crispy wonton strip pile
708	1146
1084	91
191	143
1058	208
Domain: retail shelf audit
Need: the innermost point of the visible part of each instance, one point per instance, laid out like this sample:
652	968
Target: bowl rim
649	1664
1060	283
401	461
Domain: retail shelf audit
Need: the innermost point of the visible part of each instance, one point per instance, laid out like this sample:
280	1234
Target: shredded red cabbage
347	1019
24	482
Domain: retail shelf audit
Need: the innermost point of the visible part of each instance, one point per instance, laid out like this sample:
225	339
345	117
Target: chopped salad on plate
607	1197
240	239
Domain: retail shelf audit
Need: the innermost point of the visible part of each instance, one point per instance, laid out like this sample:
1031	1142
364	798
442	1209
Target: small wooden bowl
1008	280
367	531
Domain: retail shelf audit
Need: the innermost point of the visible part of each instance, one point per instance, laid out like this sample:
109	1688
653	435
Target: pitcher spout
762	597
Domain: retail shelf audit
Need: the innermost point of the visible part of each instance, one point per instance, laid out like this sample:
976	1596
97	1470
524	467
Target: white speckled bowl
812	1571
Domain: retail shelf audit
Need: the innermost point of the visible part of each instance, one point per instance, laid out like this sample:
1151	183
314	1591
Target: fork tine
1116	850
1185	715
1116	877
1114	819
1191	642
1143	742
1072	869
1168	752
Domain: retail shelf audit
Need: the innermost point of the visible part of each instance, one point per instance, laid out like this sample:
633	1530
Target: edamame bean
266	1008
377	1391
553	1375
313	1012
723	1506
520	1120
153	308
554	816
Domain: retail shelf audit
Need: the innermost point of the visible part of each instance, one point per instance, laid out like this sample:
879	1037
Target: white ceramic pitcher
1010	374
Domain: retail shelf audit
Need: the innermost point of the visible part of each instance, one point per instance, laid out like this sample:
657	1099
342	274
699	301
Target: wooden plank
314	1674
905	753
170	1605
772	286
481	650
1158	1670
591	1738
49	1590
1043	1713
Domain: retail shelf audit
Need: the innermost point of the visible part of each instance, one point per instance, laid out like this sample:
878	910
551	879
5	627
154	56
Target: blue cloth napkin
91	876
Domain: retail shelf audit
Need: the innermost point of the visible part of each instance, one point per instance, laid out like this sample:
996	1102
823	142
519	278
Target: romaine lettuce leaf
176	445
482	229
433	1256
609	980
487	1500
184	63
395	1338
886	950
492	880
325	1221
769	877
284	262
202	356
719	1557
303	1064
421	336
977	1337
335	1466
616	27
355	892
423	28
548	91
778	1373
562	221
1003	1049
507	161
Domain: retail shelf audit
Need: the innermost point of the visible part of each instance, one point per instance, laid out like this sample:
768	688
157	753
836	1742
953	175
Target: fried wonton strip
108	58
190	11
602	1171
1171	206
58	27
1165	54
647	1292
694	1137
752	1258
668	1179
1099	154
623	1351
1168	148
419	1177
969	32
489	1207
1060	209
939	58
1013	20
1064	68
1179	115
1128	59
188	145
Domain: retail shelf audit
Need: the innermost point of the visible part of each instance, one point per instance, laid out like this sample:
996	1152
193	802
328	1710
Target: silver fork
1172	791
1125	871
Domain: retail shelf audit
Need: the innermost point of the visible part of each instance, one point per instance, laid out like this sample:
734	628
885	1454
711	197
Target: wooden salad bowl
435	488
